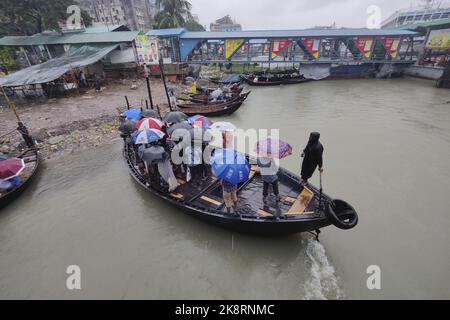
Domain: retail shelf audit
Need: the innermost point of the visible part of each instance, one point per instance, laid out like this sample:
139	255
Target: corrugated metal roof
166	32
104	28
76	38
262	34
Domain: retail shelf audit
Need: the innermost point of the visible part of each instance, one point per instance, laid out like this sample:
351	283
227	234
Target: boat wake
322	283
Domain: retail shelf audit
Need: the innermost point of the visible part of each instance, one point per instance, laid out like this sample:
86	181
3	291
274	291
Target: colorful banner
231	46
313	46
146	50
279	46
392	46
439	39
365	45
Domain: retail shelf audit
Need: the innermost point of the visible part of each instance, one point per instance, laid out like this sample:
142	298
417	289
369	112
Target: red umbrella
11	168
149	123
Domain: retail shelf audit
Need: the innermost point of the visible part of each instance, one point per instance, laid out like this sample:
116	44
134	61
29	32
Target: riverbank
77	122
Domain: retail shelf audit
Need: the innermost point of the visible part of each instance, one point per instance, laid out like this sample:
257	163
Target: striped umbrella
149	123
11	168
200	121
147	136
273	148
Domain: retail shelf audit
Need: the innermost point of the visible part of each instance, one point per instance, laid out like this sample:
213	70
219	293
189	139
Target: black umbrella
179	126
198	135
175	117
128	126
150	114
154	154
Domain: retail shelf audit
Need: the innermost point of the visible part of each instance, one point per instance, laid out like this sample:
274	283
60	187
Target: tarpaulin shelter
55	68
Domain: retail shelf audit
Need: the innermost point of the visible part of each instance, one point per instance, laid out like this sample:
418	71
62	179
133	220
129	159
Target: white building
432	10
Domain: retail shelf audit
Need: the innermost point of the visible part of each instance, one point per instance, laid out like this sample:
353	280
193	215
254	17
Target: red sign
279	46
392	46
312	45
365	45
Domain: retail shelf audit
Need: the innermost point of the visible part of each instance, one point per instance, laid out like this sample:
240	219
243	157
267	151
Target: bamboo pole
11	105
163	76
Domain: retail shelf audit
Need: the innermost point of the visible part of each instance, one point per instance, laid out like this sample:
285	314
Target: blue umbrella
230	165
133	114
147	136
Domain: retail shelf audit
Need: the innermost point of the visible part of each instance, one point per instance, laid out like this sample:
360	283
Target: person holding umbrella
232	168
312	157
267	151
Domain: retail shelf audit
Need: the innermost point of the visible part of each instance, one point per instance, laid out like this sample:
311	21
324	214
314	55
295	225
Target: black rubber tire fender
338	220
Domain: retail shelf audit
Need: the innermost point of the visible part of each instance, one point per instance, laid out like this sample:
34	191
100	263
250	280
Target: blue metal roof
263	34
166	32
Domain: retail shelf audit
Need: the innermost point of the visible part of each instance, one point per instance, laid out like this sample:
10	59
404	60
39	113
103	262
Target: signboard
279	46
365	45
231	46
439	39
147	50
392	46
312	45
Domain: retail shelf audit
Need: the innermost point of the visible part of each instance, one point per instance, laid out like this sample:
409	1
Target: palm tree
172	13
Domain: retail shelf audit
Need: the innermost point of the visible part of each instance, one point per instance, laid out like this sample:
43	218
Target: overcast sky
294	14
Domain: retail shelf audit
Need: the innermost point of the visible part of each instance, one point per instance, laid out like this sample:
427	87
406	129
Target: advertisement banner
146	50
231	46
279	46
365	45
392	46
312	45
439	39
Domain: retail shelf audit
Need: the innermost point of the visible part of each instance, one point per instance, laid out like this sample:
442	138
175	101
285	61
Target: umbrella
128	126
273	148
147	136
179	126
223	126
154	154
175	117
133	114
11	168
199	121
150	114
230	165
149	123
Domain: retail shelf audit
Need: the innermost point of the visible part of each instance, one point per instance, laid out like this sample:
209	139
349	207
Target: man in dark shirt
312	157
25	135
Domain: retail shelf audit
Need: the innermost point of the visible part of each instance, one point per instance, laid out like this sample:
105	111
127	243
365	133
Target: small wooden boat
31	159
214	109
198	98
300	209
278	81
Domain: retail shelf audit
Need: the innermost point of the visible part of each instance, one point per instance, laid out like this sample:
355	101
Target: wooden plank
208	199
264	214
177	195
301	203
290	200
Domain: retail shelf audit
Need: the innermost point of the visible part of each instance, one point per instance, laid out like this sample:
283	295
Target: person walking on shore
312	157
25	135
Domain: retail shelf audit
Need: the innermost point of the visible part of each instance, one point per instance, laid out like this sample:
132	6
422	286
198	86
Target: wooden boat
250	80
214	109
198	98
31	159
300	209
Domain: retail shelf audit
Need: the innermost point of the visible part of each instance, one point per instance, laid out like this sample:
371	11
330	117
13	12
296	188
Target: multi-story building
225	24
135	14
430	11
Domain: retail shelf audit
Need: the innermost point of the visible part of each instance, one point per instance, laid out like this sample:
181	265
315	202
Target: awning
55	68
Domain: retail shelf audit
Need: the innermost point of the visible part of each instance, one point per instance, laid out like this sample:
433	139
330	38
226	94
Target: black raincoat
313	156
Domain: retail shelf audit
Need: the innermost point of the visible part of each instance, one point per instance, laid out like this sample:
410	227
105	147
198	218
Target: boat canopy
55	68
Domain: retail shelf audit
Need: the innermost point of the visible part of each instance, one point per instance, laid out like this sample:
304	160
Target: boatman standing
25	135
312	157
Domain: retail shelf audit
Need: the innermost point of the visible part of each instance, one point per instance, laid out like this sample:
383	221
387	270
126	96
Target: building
431	11
225	24
135	14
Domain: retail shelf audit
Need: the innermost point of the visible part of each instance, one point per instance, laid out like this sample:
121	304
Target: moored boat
263	81
31	159
214	109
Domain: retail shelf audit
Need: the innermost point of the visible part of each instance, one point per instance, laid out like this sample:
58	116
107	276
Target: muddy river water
387	151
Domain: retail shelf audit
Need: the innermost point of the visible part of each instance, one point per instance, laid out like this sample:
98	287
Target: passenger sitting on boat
269	173
193	160
312	157
229	196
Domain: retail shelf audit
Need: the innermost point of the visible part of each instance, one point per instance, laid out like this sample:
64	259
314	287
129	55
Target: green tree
27	17
8	57
193	25
173	13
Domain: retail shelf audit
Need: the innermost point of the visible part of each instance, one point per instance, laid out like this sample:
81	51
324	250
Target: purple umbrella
273	148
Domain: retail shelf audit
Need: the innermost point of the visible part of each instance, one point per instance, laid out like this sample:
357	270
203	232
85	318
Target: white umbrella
223	126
